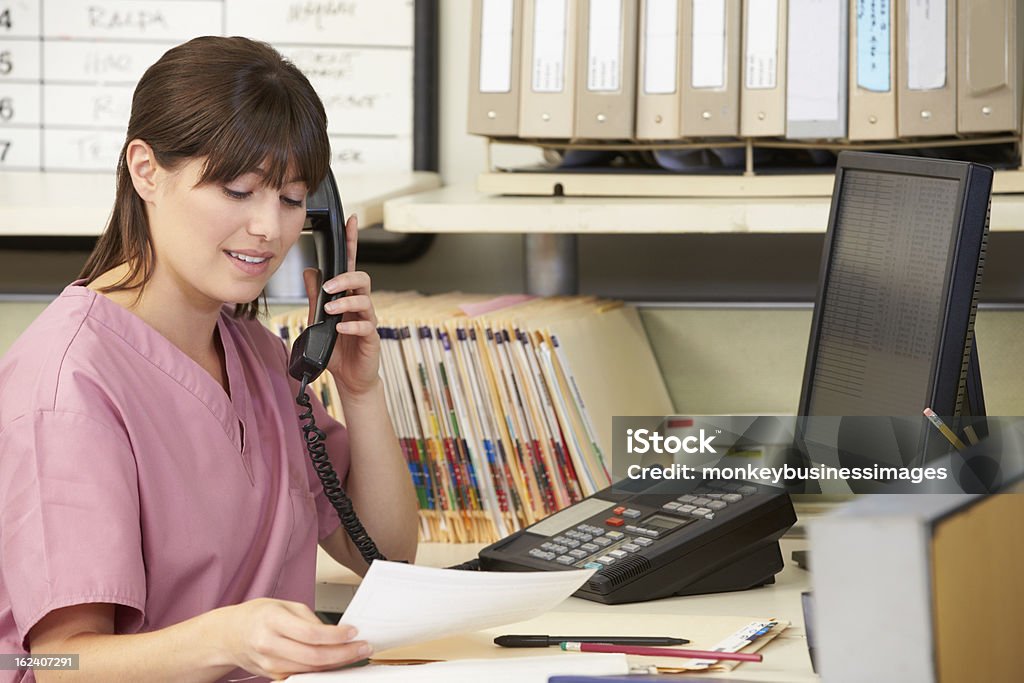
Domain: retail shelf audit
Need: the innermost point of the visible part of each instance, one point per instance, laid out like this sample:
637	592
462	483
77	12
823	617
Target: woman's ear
142	167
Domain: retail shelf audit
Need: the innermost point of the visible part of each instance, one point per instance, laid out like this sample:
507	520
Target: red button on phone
614	521
619	510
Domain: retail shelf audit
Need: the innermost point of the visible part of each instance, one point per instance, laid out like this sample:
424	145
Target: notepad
401	604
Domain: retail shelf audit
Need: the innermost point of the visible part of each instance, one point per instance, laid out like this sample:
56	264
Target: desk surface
786	657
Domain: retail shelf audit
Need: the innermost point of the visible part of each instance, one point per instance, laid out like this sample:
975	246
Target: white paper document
401	604
522	670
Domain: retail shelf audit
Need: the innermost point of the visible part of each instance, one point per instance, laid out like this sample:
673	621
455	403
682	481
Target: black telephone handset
325	218
313	347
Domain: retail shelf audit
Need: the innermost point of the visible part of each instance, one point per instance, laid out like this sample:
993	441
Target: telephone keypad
595	547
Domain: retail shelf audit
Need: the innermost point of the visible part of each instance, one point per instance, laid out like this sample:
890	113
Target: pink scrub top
128	475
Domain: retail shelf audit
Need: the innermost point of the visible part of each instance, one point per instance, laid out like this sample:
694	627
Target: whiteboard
68	69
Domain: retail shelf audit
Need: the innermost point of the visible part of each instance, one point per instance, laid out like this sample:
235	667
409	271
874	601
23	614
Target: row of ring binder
694	69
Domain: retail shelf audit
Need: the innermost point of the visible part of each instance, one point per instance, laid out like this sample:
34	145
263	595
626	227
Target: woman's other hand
277	638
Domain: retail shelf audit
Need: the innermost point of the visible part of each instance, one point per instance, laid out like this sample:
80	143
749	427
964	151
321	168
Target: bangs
273	133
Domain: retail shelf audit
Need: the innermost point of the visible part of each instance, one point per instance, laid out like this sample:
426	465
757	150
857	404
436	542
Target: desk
786	659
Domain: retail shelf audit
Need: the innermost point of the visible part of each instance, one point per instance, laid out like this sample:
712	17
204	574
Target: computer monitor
893	326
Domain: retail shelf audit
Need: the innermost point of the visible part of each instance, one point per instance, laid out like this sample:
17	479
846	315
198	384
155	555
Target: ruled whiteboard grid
68	69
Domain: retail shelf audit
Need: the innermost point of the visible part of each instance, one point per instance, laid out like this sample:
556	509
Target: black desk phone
646	541
652	541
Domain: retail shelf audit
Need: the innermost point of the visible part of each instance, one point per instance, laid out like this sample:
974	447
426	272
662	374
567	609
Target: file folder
763	90
926	68
711	67
872	70
989	69
548	103
494	68
606	73
657	96
816	76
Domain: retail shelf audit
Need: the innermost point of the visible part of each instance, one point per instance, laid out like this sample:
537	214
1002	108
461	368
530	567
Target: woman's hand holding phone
355	362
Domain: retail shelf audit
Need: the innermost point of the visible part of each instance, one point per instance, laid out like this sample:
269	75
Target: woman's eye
291	202
234	194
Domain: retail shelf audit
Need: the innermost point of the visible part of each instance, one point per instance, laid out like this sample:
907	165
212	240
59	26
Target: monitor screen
892	330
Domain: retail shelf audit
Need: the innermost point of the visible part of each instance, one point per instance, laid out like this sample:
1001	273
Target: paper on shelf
401	604
525	670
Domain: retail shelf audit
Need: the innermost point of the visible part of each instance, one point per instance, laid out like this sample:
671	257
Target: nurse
159	515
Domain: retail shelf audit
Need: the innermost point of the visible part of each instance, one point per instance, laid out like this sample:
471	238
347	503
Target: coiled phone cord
314	438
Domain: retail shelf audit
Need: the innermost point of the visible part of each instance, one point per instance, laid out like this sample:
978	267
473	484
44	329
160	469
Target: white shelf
462	209
56	204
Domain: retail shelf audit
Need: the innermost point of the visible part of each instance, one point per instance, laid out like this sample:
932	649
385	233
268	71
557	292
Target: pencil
943	429
660	651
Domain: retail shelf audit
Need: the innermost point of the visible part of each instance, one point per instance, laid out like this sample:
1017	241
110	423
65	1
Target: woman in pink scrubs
159	515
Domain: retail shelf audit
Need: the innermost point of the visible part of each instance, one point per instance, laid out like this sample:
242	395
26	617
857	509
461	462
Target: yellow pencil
946	431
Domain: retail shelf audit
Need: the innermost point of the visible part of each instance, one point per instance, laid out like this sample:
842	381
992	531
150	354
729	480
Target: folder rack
502	406
752	181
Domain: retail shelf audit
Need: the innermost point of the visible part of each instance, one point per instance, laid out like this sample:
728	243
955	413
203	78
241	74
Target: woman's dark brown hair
234	101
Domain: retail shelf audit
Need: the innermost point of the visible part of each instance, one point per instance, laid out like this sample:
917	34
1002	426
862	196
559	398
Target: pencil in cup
661	652
943	429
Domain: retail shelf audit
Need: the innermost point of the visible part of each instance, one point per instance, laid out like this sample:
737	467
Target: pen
546	641
661	652
943	429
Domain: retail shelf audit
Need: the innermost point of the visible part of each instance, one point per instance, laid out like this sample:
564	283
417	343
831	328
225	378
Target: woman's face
222	242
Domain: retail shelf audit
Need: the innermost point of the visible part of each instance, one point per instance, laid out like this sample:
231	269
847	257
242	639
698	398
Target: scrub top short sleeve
69	523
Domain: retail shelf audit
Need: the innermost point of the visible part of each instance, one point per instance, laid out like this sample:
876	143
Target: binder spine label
661	35
761	58
708	44
926	44
873	55
604	46
496	46
548	59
